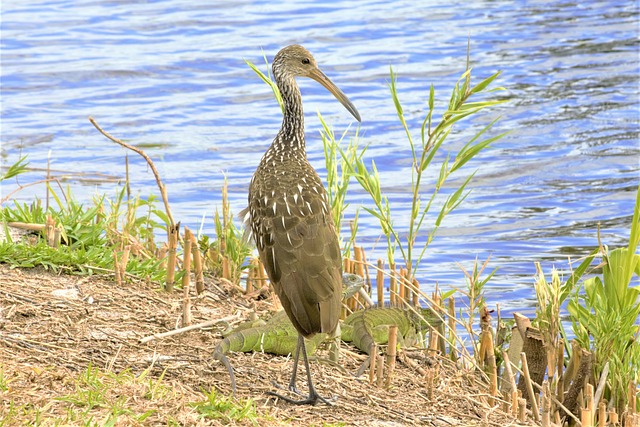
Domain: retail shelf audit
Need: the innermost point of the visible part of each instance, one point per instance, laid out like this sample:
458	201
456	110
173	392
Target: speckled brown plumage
289	214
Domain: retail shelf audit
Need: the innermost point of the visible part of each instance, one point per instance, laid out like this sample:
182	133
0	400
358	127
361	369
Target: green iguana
277	335
362	328
370	326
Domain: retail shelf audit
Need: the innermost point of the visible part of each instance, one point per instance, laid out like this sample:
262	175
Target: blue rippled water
170	76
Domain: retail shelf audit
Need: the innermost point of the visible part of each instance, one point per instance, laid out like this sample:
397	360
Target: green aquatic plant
605	315
433	134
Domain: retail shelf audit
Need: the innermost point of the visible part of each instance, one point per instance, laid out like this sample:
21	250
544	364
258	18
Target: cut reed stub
197	265
391	354
380	282
174	232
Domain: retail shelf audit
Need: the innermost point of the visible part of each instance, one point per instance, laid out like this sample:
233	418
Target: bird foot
313	399
291	388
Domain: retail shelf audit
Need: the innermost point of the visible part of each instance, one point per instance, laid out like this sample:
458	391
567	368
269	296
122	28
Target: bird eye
305	61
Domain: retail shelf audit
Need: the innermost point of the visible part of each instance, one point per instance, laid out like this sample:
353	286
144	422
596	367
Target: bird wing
298	245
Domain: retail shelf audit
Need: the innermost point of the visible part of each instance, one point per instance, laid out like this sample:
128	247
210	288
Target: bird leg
296	359
313	397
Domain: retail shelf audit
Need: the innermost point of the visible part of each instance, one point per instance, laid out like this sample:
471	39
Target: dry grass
70	355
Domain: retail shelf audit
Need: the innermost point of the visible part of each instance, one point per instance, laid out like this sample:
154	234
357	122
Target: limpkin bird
290	217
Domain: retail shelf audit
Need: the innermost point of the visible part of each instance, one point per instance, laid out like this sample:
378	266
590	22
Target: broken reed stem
163	191
430	377
178	331
416	293
162	255
602	414
587	412
393	289
252	275
197	265
358	261
413	365
391	353
126	174
49	227
186	262
347	265
545	418
522	410
57	234
124	261
401	286
380	371
509	371
515	399
225	268
225	205
116	268
186	278
171	257
358	267
28	225
527	379
262	274
366	276
433	342
373	355
560	372
380	282
493	373
453	338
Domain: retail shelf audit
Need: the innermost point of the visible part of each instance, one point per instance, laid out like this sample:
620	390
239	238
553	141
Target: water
170	77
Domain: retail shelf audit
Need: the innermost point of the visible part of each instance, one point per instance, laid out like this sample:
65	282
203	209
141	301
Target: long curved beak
321	78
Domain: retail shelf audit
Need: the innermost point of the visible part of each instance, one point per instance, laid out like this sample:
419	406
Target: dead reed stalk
453	337
172	257
197	265
527	378
186	278
587	411
391	353
116	268
380	282
373	355
545	418
393	289
163	191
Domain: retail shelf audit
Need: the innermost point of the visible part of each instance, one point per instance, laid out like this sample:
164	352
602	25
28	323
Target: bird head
297	61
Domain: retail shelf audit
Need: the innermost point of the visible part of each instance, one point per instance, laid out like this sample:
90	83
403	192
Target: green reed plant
15	169
474	291
230	244
433	134
337	162
605	315
551	296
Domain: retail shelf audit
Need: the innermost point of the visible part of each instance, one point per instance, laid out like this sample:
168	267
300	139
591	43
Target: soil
53	327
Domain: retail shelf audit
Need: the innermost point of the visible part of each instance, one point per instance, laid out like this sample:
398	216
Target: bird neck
291	133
